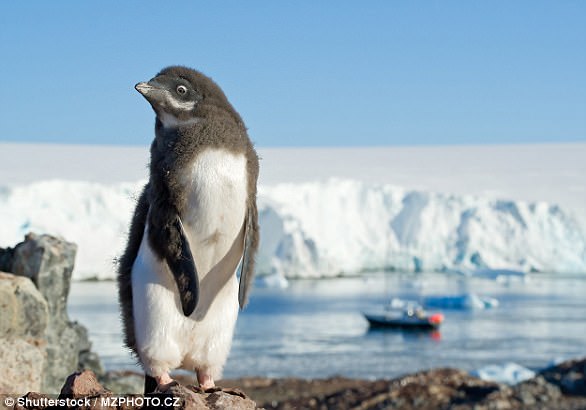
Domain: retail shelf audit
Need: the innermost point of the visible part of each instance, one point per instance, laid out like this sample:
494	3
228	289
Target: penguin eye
181	90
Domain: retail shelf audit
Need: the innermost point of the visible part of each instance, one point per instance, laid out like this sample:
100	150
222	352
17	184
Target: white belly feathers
214	217
217	205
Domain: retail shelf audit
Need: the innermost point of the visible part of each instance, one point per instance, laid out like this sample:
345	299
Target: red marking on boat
436	318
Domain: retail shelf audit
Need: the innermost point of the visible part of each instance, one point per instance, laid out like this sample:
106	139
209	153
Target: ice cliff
323	228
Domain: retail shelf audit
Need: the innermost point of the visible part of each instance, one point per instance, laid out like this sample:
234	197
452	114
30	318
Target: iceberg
322	228
467	301
507	373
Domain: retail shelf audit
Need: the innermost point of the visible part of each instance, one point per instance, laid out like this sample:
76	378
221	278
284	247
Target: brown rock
192	398
84	387
82	384
35	402
433	389
188	398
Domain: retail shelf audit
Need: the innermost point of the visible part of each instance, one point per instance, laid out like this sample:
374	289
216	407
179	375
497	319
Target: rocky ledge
560	387
83	391
39	345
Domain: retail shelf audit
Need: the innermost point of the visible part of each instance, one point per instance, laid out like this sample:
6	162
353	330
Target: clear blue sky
302	73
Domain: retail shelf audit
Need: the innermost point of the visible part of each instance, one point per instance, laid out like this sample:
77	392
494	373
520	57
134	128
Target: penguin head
177	95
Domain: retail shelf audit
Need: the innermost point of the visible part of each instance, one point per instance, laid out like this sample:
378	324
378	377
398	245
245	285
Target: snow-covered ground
331	211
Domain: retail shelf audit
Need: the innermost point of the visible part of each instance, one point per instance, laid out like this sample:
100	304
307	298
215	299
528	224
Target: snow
467	301
509	373
323	228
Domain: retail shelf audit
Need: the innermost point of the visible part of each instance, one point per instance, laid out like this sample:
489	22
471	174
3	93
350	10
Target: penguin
195	225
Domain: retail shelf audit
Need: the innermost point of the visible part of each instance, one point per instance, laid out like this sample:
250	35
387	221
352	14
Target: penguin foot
164	382
230	390
206	381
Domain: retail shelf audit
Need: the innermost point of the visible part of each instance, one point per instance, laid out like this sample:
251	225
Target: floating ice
467	301
508	373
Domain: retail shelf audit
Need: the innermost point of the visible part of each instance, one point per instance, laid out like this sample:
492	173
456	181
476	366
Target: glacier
323	228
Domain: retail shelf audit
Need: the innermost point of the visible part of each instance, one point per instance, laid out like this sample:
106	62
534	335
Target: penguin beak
144	88
152	91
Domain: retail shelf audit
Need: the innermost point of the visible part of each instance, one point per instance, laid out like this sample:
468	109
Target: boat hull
400	323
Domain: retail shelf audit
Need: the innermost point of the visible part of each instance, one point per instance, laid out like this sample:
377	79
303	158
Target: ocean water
314	328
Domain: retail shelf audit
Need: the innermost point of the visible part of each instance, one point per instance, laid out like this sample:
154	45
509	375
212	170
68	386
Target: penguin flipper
125	264
250	247
184	272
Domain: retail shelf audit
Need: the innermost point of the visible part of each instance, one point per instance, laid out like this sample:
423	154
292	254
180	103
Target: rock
22	363
188	399
34	400
192	398
24	310
432	389
537	390
570	376
84	385
6	256
23	323
229	399
529	394
81	384
48	262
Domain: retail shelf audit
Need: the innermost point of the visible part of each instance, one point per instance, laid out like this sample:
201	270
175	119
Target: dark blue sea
315	328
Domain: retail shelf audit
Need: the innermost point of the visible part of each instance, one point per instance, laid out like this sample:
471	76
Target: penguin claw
233	391
164	383
230	390
195	389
